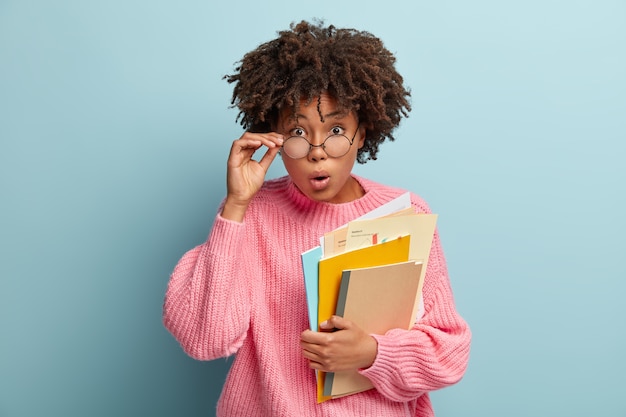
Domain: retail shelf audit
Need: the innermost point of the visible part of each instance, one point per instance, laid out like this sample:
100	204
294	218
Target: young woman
322	98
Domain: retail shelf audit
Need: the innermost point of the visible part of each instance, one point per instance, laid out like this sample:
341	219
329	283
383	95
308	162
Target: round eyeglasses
335	146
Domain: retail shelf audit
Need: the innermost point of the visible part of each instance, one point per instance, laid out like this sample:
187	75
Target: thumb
335	323
268	158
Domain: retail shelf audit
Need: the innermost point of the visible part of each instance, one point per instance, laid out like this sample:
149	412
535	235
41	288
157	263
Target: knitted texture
243	292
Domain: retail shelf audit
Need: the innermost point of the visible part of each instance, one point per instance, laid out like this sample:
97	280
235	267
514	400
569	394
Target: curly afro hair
309	59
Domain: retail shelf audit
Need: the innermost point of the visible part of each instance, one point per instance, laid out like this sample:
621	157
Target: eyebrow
335	114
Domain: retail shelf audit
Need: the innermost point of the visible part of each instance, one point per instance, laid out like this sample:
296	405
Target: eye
336	130
296	131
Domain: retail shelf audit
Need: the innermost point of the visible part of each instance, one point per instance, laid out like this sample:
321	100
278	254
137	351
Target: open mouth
319	182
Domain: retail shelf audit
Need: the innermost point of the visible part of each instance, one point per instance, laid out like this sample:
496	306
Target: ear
362	134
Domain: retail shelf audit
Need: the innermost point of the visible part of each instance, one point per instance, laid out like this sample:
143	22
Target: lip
318	174
319	180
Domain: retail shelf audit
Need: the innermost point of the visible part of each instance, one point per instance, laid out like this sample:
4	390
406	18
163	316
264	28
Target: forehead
324	107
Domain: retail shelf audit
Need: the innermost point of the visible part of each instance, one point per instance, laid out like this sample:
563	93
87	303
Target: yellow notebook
331	270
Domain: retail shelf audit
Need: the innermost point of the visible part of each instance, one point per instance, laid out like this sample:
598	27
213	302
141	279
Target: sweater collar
331	215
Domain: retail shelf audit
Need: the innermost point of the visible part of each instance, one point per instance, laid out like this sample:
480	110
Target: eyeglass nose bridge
321	145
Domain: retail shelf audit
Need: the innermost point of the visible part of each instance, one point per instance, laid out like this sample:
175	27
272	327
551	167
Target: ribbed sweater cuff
228	234
386	360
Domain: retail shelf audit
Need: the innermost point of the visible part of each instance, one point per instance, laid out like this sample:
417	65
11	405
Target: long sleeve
205	305
434	353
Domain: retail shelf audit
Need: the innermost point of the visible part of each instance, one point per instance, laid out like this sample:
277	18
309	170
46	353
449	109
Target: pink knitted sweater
243	292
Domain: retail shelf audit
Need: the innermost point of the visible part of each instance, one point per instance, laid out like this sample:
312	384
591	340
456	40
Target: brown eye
297	132
336	131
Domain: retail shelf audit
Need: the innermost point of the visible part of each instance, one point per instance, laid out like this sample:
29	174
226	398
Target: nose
317	153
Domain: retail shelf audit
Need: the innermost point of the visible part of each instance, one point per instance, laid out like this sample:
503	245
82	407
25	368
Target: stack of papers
370	272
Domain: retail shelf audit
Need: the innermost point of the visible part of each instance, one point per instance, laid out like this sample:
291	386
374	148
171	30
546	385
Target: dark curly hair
309	59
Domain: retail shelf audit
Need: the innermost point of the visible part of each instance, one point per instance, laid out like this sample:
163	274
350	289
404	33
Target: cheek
291	165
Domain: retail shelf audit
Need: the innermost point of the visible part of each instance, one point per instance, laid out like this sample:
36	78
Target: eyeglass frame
322	145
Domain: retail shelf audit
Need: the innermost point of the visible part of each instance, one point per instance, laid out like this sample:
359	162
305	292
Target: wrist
234	210
370	352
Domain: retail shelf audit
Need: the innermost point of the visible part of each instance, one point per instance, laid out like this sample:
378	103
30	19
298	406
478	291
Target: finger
276	138
335	323
315	355
320	363
309	337
311	354
244	148
317	366
271	140
245	145
268	158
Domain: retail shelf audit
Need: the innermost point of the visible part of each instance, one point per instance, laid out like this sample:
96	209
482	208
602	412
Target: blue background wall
115	127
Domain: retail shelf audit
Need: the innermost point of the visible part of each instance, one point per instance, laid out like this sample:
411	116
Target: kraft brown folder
376	299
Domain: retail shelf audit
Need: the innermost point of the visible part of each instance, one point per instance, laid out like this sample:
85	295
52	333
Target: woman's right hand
245	176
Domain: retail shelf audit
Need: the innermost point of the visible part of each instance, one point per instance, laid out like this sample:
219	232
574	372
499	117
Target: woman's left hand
340	346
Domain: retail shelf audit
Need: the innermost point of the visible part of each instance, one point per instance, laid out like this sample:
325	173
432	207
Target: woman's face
317	175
